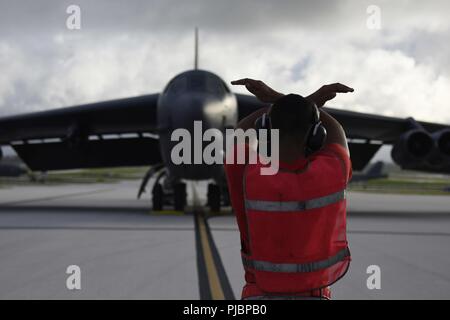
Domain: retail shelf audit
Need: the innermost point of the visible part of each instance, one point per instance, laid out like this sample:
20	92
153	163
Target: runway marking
18	209
215	288
75	194
167	212
213	281
100	228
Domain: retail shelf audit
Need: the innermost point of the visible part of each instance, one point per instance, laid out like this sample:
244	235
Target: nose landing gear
172	192
213	197
180	196
168	192
157	196
176	197
217	196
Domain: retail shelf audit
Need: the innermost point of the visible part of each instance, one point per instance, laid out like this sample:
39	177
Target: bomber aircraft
137	131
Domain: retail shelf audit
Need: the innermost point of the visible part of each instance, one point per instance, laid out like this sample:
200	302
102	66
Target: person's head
292	115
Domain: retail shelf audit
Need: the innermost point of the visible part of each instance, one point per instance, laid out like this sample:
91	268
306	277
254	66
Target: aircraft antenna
196	49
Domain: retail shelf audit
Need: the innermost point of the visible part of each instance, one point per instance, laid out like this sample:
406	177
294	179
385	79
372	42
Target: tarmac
126	251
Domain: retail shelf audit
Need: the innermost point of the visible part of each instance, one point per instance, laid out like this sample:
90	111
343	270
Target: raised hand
261	90
328	92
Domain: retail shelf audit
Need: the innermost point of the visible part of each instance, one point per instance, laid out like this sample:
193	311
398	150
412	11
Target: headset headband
316	113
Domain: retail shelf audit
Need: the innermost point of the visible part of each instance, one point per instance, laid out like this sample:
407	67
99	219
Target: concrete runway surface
125	251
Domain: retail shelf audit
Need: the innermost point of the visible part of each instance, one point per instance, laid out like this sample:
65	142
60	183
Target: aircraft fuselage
194	95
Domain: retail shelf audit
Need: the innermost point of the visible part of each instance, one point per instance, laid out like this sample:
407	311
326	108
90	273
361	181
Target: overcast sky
128	48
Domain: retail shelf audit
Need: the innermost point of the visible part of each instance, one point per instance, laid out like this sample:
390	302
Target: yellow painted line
167	212
211	270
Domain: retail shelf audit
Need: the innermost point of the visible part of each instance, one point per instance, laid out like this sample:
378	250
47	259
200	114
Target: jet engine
412	148
440	155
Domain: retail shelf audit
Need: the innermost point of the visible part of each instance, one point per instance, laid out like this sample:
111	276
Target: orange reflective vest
296	226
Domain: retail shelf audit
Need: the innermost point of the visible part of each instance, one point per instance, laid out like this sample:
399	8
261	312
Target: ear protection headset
315	136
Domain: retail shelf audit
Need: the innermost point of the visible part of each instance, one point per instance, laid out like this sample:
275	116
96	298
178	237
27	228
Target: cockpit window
213	85
197	82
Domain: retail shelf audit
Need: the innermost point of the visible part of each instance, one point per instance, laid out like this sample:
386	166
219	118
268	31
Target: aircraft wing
368	132
105	134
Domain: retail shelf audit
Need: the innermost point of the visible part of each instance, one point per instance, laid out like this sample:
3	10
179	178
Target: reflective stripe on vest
284	206
292	267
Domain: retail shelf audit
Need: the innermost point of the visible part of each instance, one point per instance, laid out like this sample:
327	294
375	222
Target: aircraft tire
180	196
214	197
157	197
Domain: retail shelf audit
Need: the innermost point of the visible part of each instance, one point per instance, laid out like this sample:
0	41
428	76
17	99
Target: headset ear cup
316	137
321	136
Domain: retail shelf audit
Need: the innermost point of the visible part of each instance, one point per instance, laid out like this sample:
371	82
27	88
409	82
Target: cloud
386	82
132	48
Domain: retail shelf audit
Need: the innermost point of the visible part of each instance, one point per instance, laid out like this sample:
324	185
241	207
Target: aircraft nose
192	108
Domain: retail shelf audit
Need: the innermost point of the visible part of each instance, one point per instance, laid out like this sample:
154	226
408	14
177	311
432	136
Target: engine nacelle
440	155
412	148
